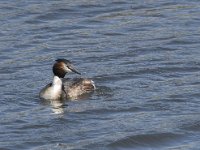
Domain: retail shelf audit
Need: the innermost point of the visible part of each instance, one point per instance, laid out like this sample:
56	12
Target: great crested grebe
65	87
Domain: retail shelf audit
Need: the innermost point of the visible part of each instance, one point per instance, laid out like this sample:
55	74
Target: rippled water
143	56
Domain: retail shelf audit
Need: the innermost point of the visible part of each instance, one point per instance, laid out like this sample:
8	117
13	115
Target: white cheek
67	69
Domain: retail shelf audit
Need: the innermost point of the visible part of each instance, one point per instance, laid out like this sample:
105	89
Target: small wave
146	140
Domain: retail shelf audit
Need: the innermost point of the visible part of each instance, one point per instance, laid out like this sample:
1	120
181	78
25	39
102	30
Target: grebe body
70	88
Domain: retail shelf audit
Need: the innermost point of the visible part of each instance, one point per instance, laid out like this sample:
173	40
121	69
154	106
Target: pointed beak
74	70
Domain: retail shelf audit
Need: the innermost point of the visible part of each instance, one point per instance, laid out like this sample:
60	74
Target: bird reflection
58	106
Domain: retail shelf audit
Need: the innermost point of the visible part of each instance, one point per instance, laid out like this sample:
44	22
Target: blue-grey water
144	57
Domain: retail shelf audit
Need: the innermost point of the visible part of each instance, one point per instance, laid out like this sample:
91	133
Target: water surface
142	55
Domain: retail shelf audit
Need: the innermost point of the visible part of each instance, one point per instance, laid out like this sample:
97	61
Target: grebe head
63	66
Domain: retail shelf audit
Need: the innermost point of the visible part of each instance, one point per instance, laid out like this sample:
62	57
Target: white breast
53	91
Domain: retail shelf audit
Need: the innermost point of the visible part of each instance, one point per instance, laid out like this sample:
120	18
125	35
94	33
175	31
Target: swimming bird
67	88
